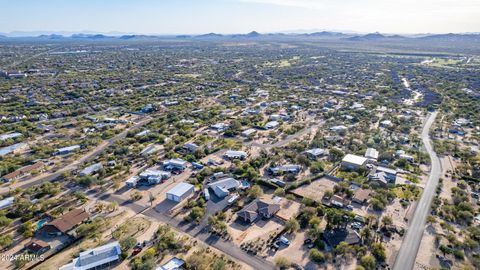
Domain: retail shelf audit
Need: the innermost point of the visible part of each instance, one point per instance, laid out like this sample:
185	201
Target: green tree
128	243
378	251
255	191
197	213
219	264
27	229
368	262
282	262
6	240
292	225
316	255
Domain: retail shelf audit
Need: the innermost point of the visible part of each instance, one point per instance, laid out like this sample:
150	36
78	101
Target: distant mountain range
371	37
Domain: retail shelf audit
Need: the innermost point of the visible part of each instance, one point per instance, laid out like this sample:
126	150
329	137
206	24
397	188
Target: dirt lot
448	164
426	253
288	209
296	252
316	189
261	228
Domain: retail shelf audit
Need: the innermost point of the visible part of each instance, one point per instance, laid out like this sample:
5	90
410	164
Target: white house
272	125
175	164
172	264
67	150
231	154
91	169
248	132
190	147
339	128
5	203
372	154
316	153
353	162
96	258
219	127
224	186
153	177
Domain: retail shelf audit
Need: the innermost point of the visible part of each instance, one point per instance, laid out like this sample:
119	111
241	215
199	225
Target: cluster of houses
458	126
379	174
57	233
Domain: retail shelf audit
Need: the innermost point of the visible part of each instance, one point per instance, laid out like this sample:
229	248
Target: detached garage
180	192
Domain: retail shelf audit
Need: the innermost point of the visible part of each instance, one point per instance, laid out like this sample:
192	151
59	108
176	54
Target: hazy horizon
240	16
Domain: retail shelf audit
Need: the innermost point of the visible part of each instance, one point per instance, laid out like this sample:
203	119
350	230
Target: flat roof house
353	162
258	208
272	125
289	168
142	133
153	177
338	128
175	164
386	123
316	153
248	132
231	154
371	153
91	169
173	264
97	258
132	181
65	223
67	150
14	148
7	202
190	147
224	186
12	135
219	127
179	192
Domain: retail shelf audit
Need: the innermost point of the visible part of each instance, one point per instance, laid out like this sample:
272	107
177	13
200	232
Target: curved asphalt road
408	251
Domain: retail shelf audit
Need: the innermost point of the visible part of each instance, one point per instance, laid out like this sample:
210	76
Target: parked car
356	225
137	249
233	199
283	240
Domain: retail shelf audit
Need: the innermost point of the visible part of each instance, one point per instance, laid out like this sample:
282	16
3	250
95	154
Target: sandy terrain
259	229
316	189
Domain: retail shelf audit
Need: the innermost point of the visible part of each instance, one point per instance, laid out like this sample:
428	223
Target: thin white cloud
387	15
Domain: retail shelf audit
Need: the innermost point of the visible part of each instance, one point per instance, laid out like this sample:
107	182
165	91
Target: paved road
288	139
92	154
196	232
408	251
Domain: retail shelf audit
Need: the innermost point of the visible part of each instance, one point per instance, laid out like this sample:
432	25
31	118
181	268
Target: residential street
408	252
92	154
196	232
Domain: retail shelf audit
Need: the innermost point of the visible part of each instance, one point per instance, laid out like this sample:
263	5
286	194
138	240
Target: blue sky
240	16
